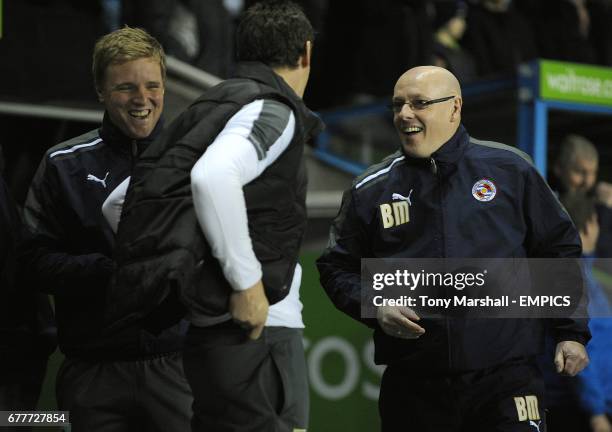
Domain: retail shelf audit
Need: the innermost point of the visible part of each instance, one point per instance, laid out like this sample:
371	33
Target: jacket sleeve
55	269
552	234
340	265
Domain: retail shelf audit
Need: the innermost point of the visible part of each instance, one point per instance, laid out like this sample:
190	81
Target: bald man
462	198
576	170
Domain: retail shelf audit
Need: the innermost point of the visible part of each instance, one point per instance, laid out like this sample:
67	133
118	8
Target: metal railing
185	80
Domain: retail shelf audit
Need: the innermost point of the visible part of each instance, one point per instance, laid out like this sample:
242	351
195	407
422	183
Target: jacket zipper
134	152
435	172
433	167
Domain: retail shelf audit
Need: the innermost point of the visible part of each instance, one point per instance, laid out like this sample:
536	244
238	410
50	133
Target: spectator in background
216	27
194	31
27	331
376	41
572	30
498	36
448	53
584	404
576	171
563	29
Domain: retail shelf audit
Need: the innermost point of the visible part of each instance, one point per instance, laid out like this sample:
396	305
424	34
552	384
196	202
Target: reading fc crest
484	190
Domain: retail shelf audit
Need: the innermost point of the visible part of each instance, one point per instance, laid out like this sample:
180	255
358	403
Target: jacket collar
260	72
114	137
264	74
444	160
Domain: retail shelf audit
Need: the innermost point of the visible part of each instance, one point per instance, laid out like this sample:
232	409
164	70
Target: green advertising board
572	82
344	381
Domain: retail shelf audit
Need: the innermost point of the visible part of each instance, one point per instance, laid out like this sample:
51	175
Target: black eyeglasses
415	104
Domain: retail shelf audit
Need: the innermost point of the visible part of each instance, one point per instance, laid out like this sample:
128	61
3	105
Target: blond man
110	381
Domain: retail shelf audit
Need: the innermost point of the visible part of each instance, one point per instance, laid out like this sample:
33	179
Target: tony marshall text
464	301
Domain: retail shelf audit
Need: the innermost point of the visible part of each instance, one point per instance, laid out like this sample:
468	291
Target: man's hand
570	358
603	191
589	235
600	423
249	308
397	321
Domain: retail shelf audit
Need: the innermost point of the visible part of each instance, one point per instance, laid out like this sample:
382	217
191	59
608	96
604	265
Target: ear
305	59
100	95
456	113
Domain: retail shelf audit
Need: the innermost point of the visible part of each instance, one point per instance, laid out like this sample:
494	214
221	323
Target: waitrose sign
571	82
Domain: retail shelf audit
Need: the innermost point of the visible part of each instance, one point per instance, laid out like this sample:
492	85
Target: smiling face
424	128
133	95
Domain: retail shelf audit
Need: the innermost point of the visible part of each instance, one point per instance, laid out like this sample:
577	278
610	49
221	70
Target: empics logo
527	408
397	212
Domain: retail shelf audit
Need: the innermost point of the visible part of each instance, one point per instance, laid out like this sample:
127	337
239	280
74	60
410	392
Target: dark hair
580	207
273	32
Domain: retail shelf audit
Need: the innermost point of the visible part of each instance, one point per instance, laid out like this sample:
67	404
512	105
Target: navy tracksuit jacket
446	219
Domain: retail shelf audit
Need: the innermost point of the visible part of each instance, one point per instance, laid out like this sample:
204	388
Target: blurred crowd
584	404
364	45
360	45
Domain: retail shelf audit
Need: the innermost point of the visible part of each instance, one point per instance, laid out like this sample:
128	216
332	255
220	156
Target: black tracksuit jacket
71	245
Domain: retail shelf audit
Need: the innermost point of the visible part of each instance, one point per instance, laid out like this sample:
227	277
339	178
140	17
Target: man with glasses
464	198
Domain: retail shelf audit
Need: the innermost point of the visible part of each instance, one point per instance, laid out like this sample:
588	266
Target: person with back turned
214	216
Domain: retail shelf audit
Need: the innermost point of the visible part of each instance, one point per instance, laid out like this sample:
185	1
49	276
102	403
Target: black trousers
149	395
21	381
243	385
505	398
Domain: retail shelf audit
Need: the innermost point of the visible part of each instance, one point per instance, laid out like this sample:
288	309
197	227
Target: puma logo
92	177
397	196
535	425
